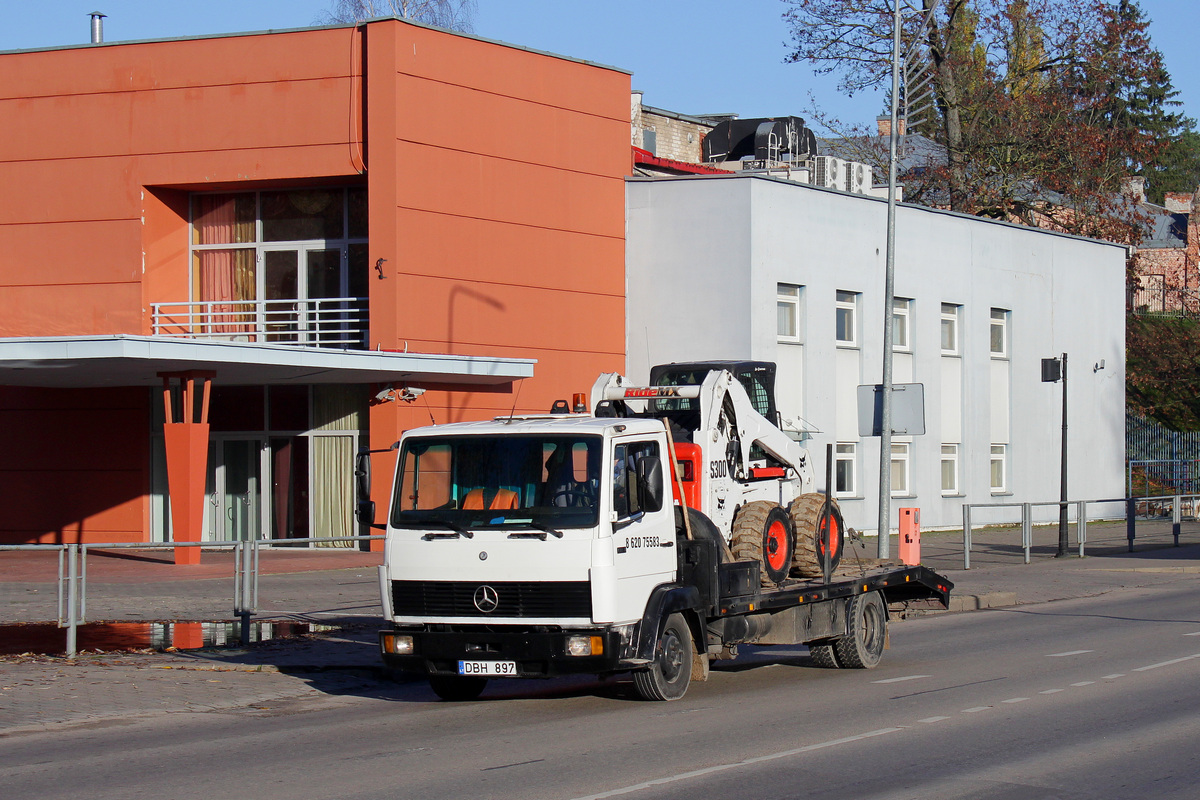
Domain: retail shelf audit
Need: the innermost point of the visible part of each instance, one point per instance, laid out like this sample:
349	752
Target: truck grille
513	599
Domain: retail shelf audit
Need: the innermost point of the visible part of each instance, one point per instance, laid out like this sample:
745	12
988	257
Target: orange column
185	434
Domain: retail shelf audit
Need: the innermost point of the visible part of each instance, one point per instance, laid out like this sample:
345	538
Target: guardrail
1081	520
72	574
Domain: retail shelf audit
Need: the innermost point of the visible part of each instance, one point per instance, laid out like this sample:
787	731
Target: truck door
643	525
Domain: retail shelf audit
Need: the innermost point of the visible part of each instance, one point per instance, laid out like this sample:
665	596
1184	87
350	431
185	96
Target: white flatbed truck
531	547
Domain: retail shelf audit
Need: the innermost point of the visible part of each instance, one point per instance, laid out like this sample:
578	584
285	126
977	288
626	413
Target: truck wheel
668	677
805	512
457	688
863	648
763	532
823	656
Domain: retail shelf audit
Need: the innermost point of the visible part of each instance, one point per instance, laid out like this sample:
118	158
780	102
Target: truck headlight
585	645
396	644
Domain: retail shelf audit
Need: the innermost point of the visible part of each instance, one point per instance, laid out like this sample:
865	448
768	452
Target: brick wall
674	137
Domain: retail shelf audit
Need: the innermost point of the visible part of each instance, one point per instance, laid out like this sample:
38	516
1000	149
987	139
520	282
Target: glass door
235	506
297	283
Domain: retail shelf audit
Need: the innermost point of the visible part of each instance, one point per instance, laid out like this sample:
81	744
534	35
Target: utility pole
885	439
1062	488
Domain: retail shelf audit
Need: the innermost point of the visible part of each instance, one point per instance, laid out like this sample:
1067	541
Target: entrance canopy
68	362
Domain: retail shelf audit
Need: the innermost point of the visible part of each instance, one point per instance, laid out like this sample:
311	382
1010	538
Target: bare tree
456	15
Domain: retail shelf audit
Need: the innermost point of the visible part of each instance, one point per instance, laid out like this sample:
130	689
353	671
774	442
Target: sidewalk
341	587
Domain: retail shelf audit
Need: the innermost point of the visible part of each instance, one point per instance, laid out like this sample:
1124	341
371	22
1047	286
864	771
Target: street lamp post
1053	370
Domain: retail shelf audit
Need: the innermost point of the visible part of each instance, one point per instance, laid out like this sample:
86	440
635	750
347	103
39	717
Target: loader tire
805	512
763	532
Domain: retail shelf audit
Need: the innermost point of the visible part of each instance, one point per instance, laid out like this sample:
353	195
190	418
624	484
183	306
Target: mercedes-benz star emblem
486	599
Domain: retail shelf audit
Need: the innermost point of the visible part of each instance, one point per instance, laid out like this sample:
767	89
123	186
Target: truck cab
551	529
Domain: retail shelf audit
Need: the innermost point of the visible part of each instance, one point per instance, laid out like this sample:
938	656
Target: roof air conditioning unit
861	178
830	173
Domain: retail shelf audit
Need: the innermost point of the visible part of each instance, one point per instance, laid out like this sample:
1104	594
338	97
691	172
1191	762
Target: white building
747	266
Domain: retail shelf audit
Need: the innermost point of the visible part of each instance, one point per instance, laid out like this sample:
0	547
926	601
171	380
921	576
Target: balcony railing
318	322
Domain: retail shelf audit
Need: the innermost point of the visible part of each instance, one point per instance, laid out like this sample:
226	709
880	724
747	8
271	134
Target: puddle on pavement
49	639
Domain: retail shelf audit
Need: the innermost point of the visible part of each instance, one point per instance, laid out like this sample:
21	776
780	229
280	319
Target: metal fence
1157	298
72	574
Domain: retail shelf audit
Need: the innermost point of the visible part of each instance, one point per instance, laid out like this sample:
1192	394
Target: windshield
508	481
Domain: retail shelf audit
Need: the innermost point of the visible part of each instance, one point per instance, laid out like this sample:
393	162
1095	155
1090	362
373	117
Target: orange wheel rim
776	546
830	524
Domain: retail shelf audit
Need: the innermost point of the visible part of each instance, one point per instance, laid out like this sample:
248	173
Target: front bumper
539	652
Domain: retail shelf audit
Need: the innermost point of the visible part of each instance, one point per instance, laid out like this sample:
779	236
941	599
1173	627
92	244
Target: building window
999	468
900	324
949	469
787	303
900	469
845	470
949	329
279	266
847	318
999	334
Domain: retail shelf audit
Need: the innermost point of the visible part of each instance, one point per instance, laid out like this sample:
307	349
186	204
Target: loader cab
757	377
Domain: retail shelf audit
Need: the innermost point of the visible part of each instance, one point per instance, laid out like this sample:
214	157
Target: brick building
1167	261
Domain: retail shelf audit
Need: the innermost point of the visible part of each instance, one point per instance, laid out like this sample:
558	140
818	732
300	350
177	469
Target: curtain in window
225	277
333	488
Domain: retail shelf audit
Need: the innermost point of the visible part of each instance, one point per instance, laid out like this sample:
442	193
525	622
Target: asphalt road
1091	698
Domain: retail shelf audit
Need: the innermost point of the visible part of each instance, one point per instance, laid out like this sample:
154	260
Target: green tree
1037	108
1162	367
1177	169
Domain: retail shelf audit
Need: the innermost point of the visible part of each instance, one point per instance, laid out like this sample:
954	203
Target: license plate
489	668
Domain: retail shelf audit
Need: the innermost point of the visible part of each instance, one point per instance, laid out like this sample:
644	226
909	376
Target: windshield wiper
458	529
543	530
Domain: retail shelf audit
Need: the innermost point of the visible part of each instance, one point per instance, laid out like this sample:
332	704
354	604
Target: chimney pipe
97	27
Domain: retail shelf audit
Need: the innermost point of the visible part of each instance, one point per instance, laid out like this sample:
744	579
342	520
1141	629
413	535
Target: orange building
284	235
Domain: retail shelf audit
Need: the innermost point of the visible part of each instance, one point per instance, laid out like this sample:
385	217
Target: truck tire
863	648
805	512
457	688
823	655
668	676
763	532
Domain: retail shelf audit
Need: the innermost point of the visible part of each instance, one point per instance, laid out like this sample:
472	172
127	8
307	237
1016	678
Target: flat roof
126	360
274	31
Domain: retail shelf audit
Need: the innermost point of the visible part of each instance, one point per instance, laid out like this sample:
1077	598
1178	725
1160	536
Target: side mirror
362	475
364	511
650	483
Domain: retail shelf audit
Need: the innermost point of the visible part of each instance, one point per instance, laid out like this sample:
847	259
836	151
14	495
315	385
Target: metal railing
1148	506
72	574
315	322
1081	520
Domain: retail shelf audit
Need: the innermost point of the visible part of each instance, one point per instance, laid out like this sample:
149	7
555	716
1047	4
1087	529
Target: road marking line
696	773
1114	675
1167	663
1015	700
975	709
905	678
1083	683
1070	653
1197	633
930	720
1049	691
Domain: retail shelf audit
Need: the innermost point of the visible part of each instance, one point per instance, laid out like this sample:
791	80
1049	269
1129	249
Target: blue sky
690	56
